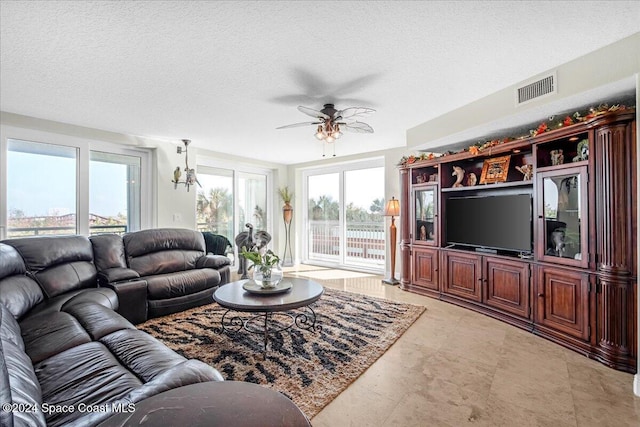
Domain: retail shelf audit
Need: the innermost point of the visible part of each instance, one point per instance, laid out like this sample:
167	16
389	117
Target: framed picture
495	170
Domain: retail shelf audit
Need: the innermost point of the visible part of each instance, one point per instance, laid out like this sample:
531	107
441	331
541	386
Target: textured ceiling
226	74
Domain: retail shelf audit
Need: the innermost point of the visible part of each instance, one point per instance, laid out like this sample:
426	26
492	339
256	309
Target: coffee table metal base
236	323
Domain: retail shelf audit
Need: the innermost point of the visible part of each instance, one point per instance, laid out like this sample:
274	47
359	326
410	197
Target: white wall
610	67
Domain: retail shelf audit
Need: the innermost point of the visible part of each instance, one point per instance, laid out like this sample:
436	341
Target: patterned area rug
311	368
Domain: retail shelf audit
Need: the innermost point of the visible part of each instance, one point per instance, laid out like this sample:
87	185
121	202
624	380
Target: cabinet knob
540	295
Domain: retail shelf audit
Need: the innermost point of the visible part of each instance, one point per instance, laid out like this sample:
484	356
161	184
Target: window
114	193
67	185
41	189
231	198
252	199
214	203
344	216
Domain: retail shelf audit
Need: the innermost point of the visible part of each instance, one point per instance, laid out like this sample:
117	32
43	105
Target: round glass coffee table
235	298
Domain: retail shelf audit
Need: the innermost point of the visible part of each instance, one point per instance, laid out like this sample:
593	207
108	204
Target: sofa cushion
87	374
58	263
103	296
143	354
18	292
165	250
173	285
50	333
18	382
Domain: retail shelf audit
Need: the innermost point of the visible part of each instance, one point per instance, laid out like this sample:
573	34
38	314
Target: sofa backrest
58	263
18	293
163	250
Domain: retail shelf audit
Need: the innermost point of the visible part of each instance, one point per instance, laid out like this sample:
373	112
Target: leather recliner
70	348
158	271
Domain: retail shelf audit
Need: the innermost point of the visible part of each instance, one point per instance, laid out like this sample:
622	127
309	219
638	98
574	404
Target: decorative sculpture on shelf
249	241
557	158
583	151
458	172
557	240
526	171
471	179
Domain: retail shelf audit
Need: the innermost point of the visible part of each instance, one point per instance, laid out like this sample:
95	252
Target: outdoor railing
40	231
365	241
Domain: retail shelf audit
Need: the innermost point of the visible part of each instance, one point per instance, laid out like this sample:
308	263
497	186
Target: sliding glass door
323	224
344	221
231	198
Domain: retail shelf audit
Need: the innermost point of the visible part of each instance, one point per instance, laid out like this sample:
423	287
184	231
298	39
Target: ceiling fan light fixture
336	131
329	120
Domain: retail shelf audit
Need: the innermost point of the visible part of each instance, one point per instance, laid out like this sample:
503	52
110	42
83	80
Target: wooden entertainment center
577	285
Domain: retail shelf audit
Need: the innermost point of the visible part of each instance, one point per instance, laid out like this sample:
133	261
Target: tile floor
454	367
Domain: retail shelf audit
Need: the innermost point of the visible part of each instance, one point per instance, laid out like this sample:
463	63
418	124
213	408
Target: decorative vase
268	278
287	212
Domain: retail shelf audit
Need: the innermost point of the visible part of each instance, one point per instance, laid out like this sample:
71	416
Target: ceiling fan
332	122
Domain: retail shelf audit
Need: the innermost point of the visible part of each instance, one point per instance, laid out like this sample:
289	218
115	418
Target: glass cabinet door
425	227
562	216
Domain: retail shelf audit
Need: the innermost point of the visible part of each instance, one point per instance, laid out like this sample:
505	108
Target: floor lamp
392	209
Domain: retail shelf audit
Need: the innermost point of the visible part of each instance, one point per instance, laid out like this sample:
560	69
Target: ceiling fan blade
357	127
295	125
355	111
313	113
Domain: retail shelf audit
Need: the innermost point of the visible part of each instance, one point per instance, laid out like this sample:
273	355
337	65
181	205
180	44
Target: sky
362	186
42	184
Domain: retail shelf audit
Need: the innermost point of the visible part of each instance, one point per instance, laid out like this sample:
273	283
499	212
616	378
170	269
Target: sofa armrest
132	298
213	261
116	274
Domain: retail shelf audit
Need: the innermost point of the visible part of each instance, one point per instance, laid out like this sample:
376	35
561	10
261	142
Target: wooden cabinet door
462	275
507	286
563	301
425	268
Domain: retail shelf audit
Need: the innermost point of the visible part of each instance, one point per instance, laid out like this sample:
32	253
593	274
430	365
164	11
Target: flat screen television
490	222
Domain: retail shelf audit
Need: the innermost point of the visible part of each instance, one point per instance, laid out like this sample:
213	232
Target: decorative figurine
583	151
526	171
557	240
557	158
423	232
458	172
471	179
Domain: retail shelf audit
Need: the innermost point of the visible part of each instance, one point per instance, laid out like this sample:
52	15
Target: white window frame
203	160
339	168
84	147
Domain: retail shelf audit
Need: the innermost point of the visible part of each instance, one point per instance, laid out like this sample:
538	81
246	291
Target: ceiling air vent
537	89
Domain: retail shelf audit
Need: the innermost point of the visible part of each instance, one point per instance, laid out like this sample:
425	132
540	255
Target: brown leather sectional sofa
64	347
